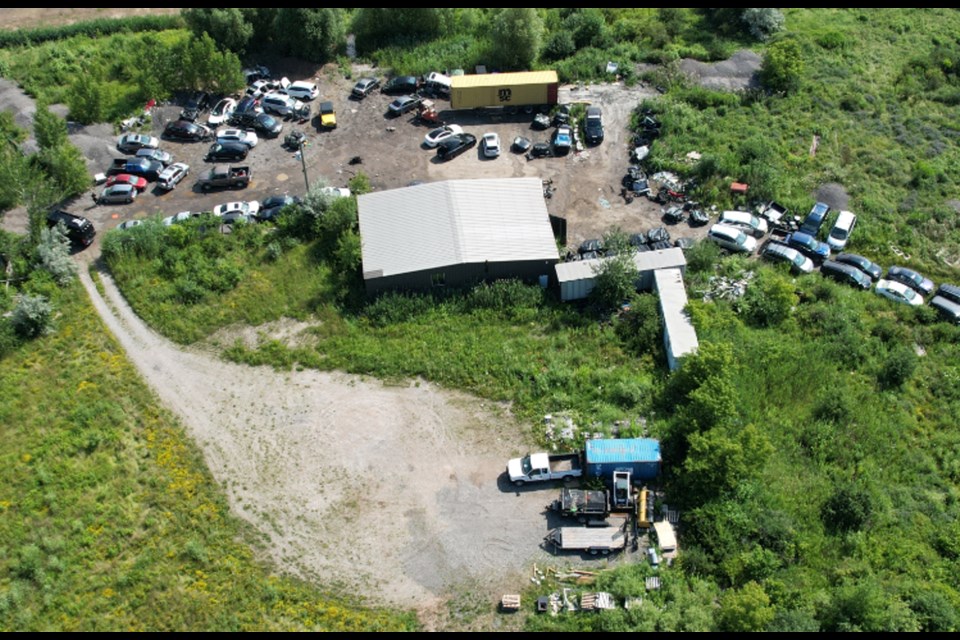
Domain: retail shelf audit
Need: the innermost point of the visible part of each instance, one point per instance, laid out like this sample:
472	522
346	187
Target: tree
719	461
87	100
228	27
587	26
762	23
49	130
311	34
848	509
54	254
32	316
782	66
745	610
769	300
380	27
616	276
516	34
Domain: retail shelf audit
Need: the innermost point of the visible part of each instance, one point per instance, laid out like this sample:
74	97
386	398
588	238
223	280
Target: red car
136	182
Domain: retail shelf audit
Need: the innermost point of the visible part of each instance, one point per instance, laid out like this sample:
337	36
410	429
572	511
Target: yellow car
328	117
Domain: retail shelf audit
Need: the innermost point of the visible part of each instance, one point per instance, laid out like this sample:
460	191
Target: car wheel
518	483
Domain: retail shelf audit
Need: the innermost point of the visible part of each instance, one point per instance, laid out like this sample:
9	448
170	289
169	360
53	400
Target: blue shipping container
639	456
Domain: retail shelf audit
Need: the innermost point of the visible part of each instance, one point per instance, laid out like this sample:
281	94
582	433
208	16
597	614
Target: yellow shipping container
504	89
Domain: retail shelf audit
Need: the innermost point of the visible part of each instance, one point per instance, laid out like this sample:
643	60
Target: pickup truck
584	505
538	467
223	177
149	169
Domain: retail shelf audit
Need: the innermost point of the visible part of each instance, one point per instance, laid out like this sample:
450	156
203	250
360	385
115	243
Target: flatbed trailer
594	540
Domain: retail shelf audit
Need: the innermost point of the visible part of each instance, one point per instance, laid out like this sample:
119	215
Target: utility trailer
593	540
588	507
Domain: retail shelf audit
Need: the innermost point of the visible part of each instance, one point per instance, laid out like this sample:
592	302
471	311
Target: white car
491	145
248	138
898	292
336	192
172	175
746	221
222	112
732	238
280	104
133	142
303	90
841	230
438	135
183	216
250	208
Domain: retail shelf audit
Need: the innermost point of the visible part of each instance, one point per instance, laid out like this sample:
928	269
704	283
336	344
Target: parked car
520	144
256	72
172	175
562	140
303	90
221	112
814	220
133	142
248	138
748	222
80	230
226	152
137	182
248	104
731	238
438	135
364	87
593	126
846	274
156	155
328	117
898	292
592	245
808	245
455	145
185	130
183	216
271	207
923	286
263	123
949	309
401	85
280	104
117	194
491	145
798	262
234	217
129	224
842	228
868	267
658	235
248	207
403	104
950	292
336	192
197	103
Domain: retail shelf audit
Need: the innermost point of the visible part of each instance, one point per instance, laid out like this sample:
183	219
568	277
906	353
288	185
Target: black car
923	286
455	145
80	231
264	124
186	130
271	206
197	103
226	152
869	268
593	126
521	144
846	274
594	245
248	104
660	234
403	104
401	85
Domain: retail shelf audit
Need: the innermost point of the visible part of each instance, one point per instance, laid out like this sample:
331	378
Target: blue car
809	246
814	220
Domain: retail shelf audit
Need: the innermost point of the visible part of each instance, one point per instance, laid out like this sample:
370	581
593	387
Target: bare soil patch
739	71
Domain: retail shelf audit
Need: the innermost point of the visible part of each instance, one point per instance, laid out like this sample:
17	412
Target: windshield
525	465
799	260
838	234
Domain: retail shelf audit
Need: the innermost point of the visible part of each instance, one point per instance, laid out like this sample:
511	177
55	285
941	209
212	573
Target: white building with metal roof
455	233
679	336
577	279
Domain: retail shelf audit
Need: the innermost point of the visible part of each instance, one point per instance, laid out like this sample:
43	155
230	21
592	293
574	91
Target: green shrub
32	316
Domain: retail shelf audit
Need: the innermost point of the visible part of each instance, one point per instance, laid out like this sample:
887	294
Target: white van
732	238
748	222
303	90
841	230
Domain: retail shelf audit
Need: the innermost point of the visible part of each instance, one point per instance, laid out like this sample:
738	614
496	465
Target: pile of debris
724	288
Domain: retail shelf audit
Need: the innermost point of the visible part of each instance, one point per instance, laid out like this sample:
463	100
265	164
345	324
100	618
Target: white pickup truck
539	467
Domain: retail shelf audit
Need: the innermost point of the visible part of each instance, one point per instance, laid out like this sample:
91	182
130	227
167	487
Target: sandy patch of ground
737	72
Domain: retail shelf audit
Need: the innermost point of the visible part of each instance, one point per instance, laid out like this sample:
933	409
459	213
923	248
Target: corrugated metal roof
680	334
500	79
622	450
646	261
433	225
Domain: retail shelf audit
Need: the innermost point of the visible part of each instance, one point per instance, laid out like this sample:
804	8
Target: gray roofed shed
679	336
455	232
577	279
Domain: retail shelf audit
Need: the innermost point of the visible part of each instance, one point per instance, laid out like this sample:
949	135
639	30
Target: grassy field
109	519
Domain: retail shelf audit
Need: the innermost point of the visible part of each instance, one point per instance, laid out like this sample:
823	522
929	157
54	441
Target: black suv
197	103
79	229
264	124
593	126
